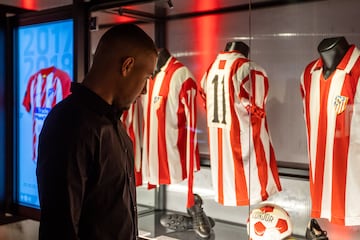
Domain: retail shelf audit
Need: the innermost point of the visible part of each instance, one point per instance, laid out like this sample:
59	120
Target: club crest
157	101
340	103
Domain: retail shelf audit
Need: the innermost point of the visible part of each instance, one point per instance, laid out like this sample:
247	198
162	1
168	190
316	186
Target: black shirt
85	172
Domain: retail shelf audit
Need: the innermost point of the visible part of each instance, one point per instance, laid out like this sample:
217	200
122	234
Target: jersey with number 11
242	157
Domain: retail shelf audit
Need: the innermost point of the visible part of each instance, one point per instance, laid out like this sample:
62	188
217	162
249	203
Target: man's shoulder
66	106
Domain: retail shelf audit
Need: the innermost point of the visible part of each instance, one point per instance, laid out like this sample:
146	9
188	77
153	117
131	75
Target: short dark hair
127	35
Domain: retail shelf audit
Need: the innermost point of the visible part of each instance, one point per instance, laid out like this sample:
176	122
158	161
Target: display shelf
150	227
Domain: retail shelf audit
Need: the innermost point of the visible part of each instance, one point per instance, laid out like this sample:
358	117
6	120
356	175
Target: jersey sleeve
253	89
203	86
132	120
27	98
188	95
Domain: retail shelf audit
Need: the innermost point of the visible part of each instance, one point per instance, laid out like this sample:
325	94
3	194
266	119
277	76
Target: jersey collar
343	63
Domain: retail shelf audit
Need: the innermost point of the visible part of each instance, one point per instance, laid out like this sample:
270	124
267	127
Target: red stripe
305	92
124	117
321	143
190	102
258	146
27	97
34	141
164	173
345	60
273	166
222	64
131	132
131	129
273	163
54	86
240	179
43	92
148	123
182	132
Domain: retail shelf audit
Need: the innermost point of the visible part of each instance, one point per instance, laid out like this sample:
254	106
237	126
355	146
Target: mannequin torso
331	51
237	46
164	55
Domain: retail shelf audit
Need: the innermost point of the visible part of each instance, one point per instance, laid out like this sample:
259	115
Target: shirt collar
95	102
343	63
233	51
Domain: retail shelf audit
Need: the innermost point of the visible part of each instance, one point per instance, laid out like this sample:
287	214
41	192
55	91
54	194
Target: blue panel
2	117
44	70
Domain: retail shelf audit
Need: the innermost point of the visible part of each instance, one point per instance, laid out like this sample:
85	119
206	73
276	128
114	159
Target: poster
44	75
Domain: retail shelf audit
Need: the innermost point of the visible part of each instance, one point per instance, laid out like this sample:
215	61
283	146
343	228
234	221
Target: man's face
135	80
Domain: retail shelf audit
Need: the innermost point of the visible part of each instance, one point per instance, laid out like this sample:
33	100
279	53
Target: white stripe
354	56
314	111
214	160
171	127
228	171
38	85
260	86
352	206
145	156
153	133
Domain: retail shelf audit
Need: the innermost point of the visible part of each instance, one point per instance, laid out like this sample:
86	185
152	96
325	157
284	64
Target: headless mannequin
164	55
237	46
331	51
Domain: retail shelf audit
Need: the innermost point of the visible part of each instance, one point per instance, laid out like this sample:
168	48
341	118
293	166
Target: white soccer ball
269	222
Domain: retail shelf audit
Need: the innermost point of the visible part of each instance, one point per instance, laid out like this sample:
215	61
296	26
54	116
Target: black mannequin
331	51
238	46
164	55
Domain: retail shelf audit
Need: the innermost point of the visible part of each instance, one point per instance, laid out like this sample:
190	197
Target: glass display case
283	37
272	104
44	63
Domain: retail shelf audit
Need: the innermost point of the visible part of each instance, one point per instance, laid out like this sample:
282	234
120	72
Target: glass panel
285	39
104	20
2	116
202	47
198	45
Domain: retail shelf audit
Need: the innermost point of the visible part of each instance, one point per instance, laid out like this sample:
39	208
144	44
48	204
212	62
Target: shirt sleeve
62	177
27	97
254	87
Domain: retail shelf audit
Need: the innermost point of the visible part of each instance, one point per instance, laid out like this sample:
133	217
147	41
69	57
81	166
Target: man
85	167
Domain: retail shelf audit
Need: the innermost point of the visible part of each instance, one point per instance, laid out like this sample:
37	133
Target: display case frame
78	60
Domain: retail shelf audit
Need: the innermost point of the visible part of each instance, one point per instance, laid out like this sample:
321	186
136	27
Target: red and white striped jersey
170	151
44	90
242	157
332	116
132	120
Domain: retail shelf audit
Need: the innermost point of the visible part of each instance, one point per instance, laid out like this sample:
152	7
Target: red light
206	28
28	4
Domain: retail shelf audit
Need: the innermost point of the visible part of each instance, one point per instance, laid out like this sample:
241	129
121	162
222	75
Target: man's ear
127	65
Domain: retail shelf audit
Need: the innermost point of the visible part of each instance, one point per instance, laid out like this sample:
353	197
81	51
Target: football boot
180	222
314	231
201	223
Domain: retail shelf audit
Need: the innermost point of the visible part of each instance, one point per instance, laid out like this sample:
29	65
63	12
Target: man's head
124	60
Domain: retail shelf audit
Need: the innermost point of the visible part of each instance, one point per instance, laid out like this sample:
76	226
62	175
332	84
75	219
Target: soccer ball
269	222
